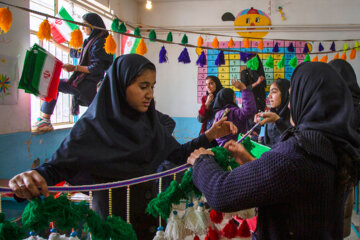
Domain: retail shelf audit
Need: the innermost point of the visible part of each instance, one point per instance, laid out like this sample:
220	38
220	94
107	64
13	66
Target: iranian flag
130	44
60	29
41	73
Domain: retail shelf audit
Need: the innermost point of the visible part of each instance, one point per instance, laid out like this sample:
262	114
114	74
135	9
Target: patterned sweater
294	191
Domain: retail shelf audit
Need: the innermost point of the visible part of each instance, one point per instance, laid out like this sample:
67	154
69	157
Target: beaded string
110	202
160	186
174	176
128	204
90	199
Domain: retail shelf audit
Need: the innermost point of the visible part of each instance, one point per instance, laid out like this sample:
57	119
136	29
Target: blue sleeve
99	59
75	53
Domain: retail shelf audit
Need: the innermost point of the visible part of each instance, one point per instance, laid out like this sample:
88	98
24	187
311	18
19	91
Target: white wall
16	118
125	9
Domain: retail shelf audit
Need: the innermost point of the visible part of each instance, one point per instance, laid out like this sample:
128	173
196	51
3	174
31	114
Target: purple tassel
162	55
321	47
276	48
291	48
332	48
184	56
306	49
201	60
220	60
245	56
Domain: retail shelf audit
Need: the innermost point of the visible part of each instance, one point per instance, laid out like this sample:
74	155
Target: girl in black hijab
278	119
119	137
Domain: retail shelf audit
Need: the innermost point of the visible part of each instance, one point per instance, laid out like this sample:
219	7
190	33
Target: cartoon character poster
8	80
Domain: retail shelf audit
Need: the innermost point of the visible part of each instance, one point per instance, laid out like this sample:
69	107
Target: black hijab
320	101
283	110
217	82
112	140
224	97
94	20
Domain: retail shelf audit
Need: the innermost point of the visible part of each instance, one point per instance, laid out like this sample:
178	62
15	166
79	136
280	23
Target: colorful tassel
162	55
269	62
76	39
115	25
174	227
324	59
184	39
203	219
231	43
281	63
332	48
343	56
201	60
137	32
321	48
212	234
346	47
141	49
261	45
184	56
215	43
215	216
315	59
306	48
245	56
352	54
5	19
307	58
356	45
244	231
291	48
200	41
336	56
220	59
276	48
152	36
253	63
110	45
169	37
246	43
45	30
230	229
190	218
122	28
293	62
160	234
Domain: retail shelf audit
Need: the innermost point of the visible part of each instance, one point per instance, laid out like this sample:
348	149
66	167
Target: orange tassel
343	56
336	56
246	43
215	43
110	45
141	48
44	30
200	41
315	59
261	45
352	54
231	43
324	59
5	19
76	39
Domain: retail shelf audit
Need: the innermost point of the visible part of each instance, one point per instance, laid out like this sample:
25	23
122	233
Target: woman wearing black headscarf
278	119
299	186
118	137
206	112
85	76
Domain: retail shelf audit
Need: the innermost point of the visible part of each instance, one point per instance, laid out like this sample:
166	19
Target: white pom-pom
160	234
175	227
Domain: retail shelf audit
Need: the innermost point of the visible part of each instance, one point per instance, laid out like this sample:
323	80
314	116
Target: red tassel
212	234
196	237
244	230
230	229
216	217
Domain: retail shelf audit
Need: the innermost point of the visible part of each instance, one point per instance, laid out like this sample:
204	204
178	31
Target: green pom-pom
224	159
356	45
152	36
307	58
115	25
98	229
187	185
281	63
346	47
293	62
137	32
122	28
34	216
10	230
253	64
169	37
119	229
184	40
269	62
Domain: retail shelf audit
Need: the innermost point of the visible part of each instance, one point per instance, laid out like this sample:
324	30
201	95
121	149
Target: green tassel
281	63
187	185
122	28
293	62
152	36
356	45
253	64
137	32
184	40
115	25
346	47
169	37
34	216
269	62
307	58
98	228
119	229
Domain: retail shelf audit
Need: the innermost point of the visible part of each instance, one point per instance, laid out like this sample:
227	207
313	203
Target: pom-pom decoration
276	48
343	56
336	56
321	48
246	43
215	43
291	47
293	62
201	60
110	45
269	62
184	56
76	39
220	59
141	49
261	45
200	41
162	55
307	58
44	31
332	48
315	59
231	43
5	19
184	39
152	36
169	37
281	63
352	54
324	59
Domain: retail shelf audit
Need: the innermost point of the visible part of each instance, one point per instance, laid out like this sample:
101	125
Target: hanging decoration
293	62
152	36
184	39
246	43
44	30
169	37
306	49
122	28
336	56
201	60
315	59
332	47
5	19
276	48
137	32
244	231
356	45
261	45
141	48
162	55
352	54
115	25
175	227
253	63
184	56
281	63
324	59
220	60
343	56
215	43
346	47
231	43
269	62
76	39
291	47
216	217
110	45
321	48
200	41
229	230
307	58
245	56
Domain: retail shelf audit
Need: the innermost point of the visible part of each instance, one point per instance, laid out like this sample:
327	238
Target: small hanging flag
356	45
184	56
184	40
44	30
76	39
307	58
253	63
269	62
215	43
261	45
346	47
336	56
291	47
293	62
245	56
220	60
169	37
324	59
141	49
306	48
276	48
315	59
5	19
162	55
152	36
332	48
137	32
115	25
122	28
110	45
321	48
231	43
352	54
281	63
201	60
343	56
246	43
200	41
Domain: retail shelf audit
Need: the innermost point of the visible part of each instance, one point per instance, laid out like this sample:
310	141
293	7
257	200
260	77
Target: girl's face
274	96
87	30
210	86
140	93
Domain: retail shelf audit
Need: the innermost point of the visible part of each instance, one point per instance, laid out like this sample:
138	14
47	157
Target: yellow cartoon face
252	17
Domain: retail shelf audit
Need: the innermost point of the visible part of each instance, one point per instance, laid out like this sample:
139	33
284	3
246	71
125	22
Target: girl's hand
238	84
267	117
209	98
69	67
196	154
239	153
220	129
28	185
